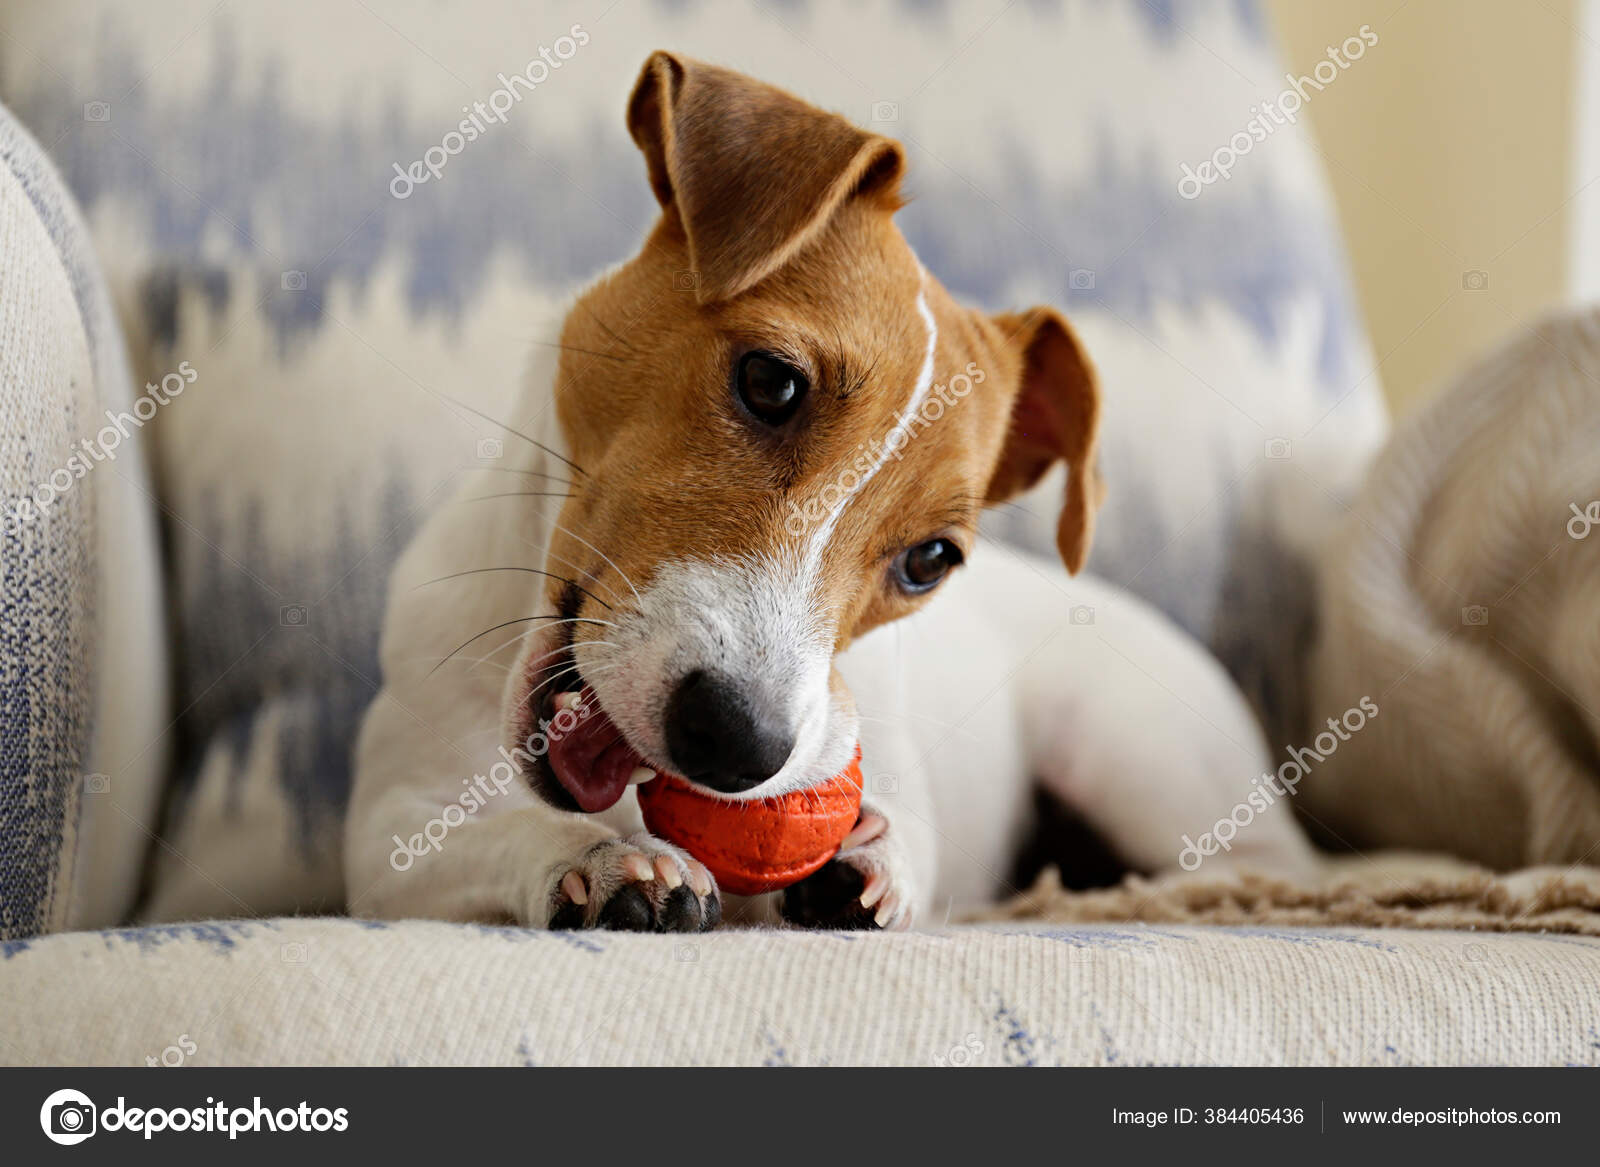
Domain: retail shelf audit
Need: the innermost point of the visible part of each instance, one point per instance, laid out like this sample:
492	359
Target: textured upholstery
298	991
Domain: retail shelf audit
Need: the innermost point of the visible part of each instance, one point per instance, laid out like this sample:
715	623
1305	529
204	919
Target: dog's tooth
640	774
567	700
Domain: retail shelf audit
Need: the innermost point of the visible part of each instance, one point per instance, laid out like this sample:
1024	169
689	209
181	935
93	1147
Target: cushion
312	991
351	324
82	763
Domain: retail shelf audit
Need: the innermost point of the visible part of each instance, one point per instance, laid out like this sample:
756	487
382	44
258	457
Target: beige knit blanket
1462	595
1389	889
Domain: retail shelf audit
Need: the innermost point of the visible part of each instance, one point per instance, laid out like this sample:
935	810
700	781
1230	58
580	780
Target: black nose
720	738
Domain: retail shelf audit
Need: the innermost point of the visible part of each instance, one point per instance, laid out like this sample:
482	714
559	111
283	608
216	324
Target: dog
748	499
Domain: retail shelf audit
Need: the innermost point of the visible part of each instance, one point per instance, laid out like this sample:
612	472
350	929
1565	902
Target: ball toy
756	845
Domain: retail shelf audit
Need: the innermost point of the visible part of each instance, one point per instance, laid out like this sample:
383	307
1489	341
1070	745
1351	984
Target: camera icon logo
1279	449
686	953
686	280
886	784
1475	281
96	783
1082	614
292	615
1081	279
293	952
68	1117
886	111
294	281
97	111
1475	616
490	448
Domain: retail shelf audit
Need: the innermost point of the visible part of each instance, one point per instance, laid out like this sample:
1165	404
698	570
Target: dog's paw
637	884
866	885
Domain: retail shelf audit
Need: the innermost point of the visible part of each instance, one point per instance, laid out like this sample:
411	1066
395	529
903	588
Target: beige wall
1448	149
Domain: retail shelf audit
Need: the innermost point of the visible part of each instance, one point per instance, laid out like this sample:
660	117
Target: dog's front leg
416	844
883	875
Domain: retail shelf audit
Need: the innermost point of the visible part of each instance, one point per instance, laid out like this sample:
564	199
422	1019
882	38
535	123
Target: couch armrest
82	670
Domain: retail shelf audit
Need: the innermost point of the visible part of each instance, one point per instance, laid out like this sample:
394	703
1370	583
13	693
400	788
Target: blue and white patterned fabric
81	767
310	992
248	172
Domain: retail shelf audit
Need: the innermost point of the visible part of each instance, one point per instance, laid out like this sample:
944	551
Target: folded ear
754	173
1056	415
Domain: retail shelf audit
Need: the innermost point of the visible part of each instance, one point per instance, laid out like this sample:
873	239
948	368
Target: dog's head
781	432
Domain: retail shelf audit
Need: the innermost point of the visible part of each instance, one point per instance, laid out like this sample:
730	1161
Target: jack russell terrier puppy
739	510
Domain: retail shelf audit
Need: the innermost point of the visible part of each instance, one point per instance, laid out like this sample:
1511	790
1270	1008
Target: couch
214	234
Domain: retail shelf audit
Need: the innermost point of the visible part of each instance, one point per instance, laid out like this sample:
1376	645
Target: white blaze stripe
819	538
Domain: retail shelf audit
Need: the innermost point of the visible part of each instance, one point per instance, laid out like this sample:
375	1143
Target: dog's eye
920	568
771	389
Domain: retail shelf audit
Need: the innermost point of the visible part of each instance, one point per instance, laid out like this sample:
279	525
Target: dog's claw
877	884
863	886
867	828
667	872
638	884
887	910
699	878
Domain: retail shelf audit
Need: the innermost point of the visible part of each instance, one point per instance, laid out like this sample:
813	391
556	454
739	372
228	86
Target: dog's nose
720	738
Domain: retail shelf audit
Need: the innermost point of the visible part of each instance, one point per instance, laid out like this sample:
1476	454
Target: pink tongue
592	760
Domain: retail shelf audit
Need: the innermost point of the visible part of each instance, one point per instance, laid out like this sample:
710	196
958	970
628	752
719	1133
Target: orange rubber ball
756	845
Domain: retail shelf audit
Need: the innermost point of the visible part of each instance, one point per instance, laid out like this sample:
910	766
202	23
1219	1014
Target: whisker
588	352
485	632
520	494
607	558
531	571
611	332
523	634
559	651
572	668
593	578
535	473
531	441
569	669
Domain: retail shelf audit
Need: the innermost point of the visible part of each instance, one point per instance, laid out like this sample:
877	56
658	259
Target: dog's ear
753	173
1056	414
